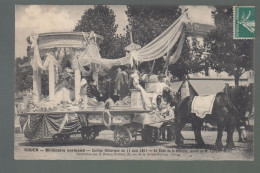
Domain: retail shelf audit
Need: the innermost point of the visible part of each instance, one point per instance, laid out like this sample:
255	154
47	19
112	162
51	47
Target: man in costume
92	91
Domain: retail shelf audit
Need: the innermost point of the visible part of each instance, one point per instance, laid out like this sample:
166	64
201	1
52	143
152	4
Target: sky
32	19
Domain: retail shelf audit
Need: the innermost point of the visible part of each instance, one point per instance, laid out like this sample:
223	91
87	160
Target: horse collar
231	103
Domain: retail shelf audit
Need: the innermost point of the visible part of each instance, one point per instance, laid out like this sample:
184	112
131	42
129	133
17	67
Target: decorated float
66	111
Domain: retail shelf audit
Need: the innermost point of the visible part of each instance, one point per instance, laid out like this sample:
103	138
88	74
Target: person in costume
92	91
137	85
121	84
64	92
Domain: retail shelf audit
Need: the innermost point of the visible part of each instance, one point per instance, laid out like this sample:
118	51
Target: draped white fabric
162	44
36	61
51	57
177	53
91	55
146	100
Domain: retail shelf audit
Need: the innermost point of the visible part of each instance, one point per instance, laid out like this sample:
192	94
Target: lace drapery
36	61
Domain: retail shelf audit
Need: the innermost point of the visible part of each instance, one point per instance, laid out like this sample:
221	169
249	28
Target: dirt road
104	148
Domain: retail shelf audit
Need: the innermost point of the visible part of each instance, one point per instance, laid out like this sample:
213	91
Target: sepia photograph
134	82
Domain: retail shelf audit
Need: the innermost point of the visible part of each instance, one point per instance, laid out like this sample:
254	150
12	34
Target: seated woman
166	104
64	92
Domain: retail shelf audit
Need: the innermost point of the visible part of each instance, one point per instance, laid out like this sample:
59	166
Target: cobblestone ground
105	148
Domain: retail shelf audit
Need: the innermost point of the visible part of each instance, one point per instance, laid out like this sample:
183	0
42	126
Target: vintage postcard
134	82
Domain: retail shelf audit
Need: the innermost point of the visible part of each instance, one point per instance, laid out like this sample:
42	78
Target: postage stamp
244	22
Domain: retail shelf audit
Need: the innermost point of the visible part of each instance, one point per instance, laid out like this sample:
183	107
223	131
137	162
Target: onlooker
121	84
92	91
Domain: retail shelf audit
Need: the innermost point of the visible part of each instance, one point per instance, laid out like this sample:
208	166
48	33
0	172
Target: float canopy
64	39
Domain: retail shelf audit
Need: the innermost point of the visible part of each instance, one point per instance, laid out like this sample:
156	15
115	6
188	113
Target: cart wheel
56	138
65	138
122	136
149	135
88	134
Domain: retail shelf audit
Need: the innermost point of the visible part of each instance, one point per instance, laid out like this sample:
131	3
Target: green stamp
244	22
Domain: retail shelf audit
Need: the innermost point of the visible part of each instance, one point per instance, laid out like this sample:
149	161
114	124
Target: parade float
65	111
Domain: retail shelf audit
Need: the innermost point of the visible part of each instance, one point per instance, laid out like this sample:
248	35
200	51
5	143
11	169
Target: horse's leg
230	131
197	123
172	133
177	132
237	127
218	143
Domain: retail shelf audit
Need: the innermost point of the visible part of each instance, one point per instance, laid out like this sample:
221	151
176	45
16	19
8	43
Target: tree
190	61
225	53
147	22
23	76
101	20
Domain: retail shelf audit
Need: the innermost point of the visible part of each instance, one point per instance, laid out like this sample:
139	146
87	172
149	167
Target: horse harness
231	104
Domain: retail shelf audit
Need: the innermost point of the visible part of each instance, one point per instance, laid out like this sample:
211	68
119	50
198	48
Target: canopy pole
167	61
77	84
166	71
134	65
51	81
131	36
152	66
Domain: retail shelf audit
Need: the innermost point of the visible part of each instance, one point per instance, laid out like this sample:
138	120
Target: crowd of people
118	86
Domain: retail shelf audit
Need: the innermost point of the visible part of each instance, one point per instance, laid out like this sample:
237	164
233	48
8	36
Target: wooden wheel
65	138
122	136
56	138
88	134
149	135
61	138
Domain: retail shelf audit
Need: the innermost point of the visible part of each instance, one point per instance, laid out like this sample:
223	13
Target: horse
228	107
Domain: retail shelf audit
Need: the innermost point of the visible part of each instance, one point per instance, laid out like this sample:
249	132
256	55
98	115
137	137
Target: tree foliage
23	76
147	22
190	61
101	20
225	53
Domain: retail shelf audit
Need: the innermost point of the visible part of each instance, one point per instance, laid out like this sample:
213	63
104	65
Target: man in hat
92	91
